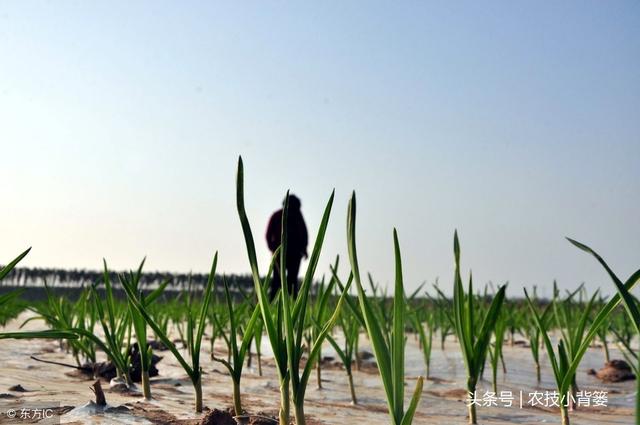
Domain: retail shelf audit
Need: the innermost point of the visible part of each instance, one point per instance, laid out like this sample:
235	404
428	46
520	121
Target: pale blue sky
515	122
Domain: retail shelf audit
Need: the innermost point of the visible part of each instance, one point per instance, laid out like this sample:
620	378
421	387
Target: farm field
420	357
319	213
442	401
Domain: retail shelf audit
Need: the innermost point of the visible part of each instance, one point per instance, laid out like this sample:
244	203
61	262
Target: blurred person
297	240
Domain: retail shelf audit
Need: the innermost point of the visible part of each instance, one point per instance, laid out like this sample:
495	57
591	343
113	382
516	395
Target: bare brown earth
443	398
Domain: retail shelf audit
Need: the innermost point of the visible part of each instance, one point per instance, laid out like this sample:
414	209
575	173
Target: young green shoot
286	335
630	305
131	282
564	369
474	341
237	354
195	332
389	351
419	321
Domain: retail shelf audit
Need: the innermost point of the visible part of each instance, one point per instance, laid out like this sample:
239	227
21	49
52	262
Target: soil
614	371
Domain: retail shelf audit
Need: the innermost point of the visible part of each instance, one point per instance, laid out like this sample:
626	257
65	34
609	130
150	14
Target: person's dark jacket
297	238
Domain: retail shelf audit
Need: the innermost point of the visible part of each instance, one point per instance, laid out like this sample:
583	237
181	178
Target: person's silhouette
297	240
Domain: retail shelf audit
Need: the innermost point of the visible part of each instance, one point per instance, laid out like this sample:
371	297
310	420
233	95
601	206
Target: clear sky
515	122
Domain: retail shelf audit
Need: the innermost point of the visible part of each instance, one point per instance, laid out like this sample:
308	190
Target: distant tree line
55	277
